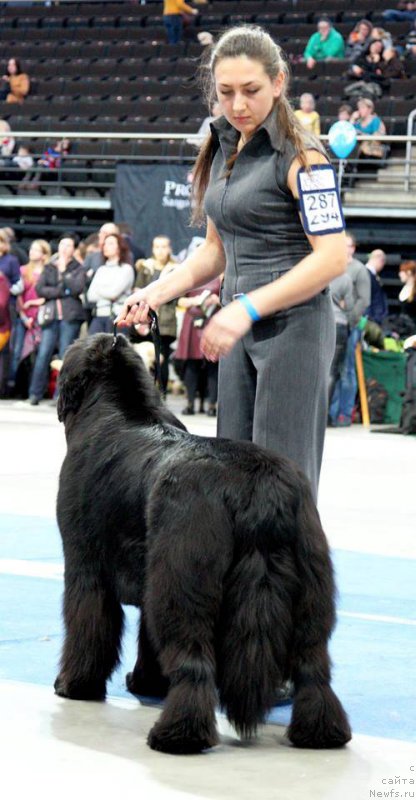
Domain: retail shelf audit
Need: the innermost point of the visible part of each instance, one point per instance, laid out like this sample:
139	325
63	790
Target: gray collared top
253	210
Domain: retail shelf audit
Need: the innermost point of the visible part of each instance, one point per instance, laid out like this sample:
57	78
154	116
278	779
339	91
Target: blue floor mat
373	658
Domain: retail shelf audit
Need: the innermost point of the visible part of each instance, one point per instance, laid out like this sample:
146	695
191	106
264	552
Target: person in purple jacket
10	267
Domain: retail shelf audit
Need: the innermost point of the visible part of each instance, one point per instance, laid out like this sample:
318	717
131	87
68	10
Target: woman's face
364	110
161	250
376	48
110	248
363	31
245	93
405	276
36	253
12	66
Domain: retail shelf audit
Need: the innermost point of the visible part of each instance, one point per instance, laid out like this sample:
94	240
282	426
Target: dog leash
155	334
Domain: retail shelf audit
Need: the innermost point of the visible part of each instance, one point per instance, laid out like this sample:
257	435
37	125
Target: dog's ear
71	393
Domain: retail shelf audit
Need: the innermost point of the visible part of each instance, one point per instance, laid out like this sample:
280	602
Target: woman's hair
255	43
46	250
18	65
367	102
410	266
123	248
162	236
4	239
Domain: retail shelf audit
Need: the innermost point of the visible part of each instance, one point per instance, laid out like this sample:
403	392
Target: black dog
218	542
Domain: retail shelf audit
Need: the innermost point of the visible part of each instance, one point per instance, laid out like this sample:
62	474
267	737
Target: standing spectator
110	285
407	296
199	304
17	80
27	333
324	45
358	40
4	331
307	115
16	249
61	284
343	398
204	128
148	270
173	11
405	12
95	258
378	307
343	301
9	266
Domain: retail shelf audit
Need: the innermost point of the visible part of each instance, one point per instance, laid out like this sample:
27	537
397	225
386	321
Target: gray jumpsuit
273	386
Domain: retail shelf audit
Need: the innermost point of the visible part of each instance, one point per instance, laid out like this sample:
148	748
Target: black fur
218	542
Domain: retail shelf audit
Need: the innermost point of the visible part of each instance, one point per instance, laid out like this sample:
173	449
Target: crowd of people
50	296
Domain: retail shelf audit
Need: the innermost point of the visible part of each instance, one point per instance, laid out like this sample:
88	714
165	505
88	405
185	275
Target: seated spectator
405	12
307	115
391	67
367	71
173	11
7	144
27	333
384	36
51	160
23	160
61	284
365	120
344	112
111	285
204	128
358	40
378	308
148	270
5	326
17	80
410	46
324	45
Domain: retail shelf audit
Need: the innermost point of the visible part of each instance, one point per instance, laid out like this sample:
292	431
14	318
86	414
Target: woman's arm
206	263
309	277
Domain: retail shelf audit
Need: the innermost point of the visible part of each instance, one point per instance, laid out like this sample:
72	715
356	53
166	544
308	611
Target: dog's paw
178	741
318	719
79	690
145	686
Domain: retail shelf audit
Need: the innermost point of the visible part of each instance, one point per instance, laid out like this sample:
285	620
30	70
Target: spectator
15	248
204	128
407	296
343	301
23	160
51	160
148	270
384	36
391	67
27	331
9	266
368	71
411	43
111	284
5	326
343	398
17	80
378	308
365	120
344	112
405	12
307	115
358	40
173	11
200	304
61	284
324	45
7	143
95	258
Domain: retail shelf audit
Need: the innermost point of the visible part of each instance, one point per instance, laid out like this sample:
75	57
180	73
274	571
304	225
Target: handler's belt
155	333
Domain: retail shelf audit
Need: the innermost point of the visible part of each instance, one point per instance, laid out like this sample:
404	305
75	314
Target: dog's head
101	367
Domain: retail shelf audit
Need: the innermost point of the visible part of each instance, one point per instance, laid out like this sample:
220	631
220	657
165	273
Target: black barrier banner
155	199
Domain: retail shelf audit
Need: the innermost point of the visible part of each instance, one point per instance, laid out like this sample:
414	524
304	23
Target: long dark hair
18	65
123	248
256	44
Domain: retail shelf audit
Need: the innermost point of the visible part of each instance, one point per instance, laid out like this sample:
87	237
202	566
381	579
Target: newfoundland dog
218	542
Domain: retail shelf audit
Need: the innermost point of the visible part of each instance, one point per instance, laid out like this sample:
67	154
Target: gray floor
50	747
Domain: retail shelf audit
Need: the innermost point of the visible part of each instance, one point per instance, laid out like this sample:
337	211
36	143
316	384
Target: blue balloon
342	138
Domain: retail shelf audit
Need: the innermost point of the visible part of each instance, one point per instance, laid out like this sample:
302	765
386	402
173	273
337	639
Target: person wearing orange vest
173	20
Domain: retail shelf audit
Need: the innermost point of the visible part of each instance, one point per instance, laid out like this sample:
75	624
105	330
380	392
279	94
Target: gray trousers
273	386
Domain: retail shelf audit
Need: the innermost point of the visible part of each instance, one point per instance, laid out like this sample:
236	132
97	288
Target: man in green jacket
324	45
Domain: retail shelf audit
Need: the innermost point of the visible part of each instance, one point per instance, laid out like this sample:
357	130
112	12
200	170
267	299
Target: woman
27	332
61	283
275	336
5	325
365	120
407	296
148	270
19	83
111	284
198	373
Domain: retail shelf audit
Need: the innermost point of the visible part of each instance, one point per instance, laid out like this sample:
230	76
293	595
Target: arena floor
55	748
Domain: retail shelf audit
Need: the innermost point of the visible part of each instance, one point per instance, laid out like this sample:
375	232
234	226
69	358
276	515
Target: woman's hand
136	308
224	330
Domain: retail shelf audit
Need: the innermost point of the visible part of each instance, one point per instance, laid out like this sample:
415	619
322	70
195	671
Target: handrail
137	135
409	141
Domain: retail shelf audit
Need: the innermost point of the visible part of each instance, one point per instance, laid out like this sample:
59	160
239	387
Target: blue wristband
248	305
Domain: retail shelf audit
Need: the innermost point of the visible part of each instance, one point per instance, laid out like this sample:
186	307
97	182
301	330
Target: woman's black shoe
188	410
212	411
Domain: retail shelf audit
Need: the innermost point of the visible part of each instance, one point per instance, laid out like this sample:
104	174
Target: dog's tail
256	621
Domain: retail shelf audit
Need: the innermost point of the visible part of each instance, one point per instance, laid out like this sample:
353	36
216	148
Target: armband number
319	200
